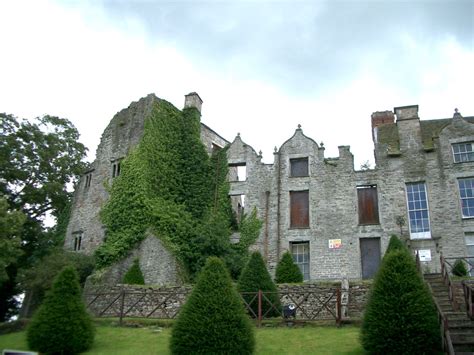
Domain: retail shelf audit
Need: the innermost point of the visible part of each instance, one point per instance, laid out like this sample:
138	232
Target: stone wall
166	301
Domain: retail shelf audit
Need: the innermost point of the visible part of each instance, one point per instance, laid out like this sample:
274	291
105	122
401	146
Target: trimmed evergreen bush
61	324
400	316
459	268
394	244
134	275
287	271
255	277
213	320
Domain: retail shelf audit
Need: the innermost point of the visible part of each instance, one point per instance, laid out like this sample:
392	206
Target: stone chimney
380	118
406	112
193	100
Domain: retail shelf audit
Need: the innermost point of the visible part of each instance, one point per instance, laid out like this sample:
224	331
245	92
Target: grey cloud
301	46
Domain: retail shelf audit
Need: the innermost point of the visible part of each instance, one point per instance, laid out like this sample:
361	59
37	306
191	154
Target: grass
155	340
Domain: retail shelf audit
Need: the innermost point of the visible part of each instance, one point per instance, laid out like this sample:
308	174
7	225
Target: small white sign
335	243
424	254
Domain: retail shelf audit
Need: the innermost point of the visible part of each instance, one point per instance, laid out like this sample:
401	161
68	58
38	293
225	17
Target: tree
287	271
213	320
400	316
39	161
61	324
134	275
255	277
395	244
38	278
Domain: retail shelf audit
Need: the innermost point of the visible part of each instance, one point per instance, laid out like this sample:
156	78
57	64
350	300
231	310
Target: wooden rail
446	267
468	289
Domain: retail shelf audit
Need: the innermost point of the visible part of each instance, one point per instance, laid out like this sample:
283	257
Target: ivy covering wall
170	186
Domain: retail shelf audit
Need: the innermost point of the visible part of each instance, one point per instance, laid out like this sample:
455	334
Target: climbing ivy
170	186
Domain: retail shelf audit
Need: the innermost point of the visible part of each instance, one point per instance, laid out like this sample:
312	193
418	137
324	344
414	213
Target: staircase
461	327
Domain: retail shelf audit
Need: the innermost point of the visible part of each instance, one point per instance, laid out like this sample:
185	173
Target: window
116	169
368	205
238	172
463	152
470	252
88	180
299	167
299	209
418	211
238	209
300	252
77	240
466	192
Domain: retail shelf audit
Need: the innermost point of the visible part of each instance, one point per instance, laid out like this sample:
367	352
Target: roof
388	134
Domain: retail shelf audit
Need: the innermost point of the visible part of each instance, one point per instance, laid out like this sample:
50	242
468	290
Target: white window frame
422	234
303	264
467	154
461	198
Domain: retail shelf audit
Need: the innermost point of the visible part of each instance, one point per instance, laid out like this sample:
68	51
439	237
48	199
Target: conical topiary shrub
394	244
287	271
213	320
459	268
61	324
400	316
134	275
255	277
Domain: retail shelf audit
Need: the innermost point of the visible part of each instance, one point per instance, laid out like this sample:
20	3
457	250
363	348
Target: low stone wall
313	301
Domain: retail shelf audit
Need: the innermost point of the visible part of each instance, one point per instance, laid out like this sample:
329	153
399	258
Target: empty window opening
418	211
116	168
77	240
238	210
88	180
300	252
299	209
368	204
215	148
466	193
463	152
238	172
299	167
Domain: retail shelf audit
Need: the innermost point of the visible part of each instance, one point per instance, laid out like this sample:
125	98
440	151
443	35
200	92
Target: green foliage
459	268
168	185
38	279
134	275
400	316
287	271
213	320
255	277
394	244
39	160
11	223
62	324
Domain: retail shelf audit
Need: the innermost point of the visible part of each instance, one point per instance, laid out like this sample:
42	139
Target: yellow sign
335	243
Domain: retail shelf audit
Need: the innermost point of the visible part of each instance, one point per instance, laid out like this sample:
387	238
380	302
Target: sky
261	67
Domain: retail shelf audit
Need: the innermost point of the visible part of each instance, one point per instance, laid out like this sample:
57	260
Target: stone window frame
116	167
302	257
292	224
77	240
234	174
413	209
466	198
376	220
88	175
298	159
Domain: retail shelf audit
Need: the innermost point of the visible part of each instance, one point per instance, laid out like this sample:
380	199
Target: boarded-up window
299	209
299	167
368	205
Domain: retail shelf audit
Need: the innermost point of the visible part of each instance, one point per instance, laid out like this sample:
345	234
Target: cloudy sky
261	67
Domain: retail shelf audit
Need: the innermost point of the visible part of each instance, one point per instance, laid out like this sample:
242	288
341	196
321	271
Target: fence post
122	301
338	307
259	322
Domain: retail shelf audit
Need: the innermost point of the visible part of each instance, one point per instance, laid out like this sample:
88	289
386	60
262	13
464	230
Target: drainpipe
267	207
278	204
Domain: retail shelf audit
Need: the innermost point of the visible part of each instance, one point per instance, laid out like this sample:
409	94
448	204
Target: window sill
299	228
301	176
368	224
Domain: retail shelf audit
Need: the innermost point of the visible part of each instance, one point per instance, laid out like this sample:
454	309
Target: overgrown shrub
459	268
61	324
213	320
134	275
287	271
400	316
255	277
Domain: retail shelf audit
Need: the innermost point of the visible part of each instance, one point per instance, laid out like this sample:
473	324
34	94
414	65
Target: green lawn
274	341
